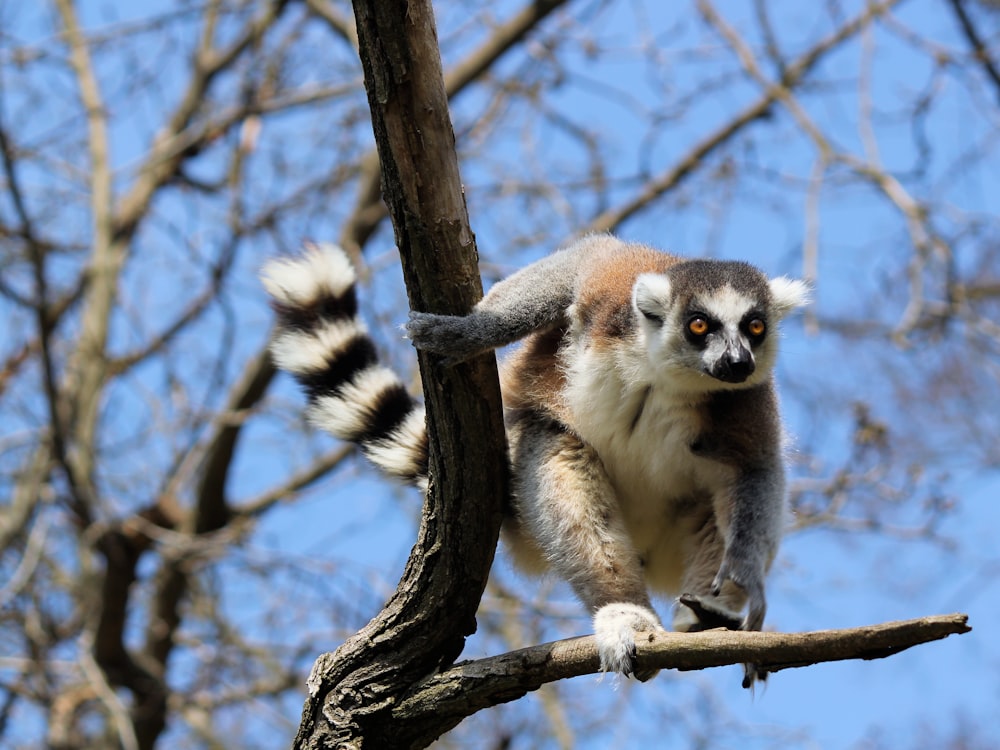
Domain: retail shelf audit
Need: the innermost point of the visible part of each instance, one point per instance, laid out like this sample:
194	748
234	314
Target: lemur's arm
755	513
534	298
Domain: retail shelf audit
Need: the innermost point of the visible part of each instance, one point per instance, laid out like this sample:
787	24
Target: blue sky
335	555
824	579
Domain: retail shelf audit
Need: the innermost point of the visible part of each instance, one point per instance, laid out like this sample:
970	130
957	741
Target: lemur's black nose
735	368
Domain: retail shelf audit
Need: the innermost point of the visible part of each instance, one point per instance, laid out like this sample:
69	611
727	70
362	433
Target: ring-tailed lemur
641	413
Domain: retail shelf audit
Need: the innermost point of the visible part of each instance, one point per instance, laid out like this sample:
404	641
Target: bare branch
503	38
793	74
27	564
454	550
113	703
470	686
212	509
369	210
979	47
341	26
89	358
165	157
297	482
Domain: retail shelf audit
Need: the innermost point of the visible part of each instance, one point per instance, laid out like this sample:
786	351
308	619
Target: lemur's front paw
615	626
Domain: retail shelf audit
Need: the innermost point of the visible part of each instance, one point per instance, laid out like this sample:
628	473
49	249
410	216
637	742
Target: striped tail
321	341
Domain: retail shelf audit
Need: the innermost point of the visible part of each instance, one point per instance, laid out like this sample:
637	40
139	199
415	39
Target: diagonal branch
470	686
165	156
979	48
793	75
89	357
369	210
319	468
212	507
341	25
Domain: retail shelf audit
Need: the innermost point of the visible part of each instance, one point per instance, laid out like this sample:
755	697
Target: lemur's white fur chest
643	433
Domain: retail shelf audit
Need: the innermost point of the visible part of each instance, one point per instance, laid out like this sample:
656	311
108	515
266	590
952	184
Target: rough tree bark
392	684
353	691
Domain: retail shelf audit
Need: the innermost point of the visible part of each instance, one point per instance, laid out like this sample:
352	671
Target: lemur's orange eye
698	326
756	327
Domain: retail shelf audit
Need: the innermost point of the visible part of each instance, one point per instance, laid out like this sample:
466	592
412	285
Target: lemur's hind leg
565	501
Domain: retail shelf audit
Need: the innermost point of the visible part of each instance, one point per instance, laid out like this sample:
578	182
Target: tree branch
979	48
368	209
166	154
319	468
793	74
353	691
470	686
88	359
212	505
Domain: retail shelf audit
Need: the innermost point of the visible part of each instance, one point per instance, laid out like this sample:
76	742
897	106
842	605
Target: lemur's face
711	325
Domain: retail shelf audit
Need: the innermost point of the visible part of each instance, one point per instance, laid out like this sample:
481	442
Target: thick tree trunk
353	691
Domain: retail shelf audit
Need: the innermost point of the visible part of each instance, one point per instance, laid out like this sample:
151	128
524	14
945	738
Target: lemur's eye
698	326
756	327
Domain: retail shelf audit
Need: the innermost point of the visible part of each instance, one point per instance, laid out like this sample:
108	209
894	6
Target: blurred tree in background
176	547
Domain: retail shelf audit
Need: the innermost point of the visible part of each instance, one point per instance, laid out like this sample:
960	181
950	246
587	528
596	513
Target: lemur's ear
788	294
651	295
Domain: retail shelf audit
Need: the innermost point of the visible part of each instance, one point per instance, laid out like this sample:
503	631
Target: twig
793	74
368	209
975	41
113	703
